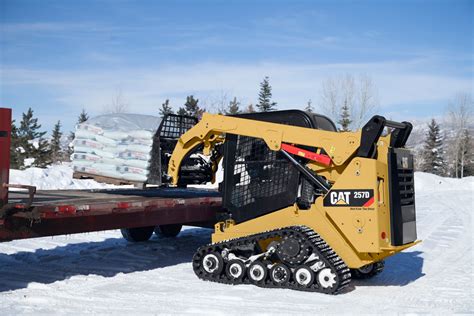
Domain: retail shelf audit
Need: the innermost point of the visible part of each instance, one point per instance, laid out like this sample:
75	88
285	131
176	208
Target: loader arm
212	128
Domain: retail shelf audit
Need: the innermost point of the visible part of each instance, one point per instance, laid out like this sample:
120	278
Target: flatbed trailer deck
29	213
74	211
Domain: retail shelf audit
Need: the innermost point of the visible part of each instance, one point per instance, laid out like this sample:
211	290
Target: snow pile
55	177
60	177
426	182
115	145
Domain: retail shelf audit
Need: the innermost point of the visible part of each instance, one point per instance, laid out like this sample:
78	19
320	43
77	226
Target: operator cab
257	180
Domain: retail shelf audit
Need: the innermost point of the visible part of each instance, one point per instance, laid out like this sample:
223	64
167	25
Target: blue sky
61	56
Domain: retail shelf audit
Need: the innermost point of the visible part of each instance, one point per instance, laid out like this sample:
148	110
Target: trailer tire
137	234
171	230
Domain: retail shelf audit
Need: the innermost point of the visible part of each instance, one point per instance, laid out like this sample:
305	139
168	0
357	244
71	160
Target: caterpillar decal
354	198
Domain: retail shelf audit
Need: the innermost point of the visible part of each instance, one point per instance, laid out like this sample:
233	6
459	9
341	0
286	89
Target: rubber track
311	238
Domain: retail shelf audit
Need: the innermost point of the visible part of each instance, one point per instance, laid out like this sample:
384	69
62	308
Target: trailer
28	213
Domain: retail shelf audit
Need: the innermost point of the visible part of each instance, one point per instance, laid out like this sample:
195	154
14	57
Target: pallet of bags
115	147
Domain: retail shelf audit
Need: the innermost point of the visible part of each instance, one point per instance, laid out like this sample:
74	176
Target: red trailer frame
5	137
48	213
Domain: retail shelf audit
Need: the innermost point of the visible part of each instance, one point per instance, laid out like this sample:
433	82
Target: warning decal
352	198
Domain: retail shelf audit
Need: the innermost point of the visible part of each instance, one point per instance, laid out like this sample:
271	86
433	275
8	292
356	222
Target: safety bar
394	124
373	129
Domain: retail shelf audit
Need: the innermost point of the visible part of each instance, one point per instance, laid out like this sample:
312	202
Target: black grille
170	130
406	186
257	180
402	196
173	126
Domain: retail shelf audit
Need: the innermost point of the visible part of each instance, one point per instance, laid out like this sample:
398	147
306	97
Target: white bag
84	149
106	141
140	141
144	134
105	167
85	156
113	161
104	154
82	133
139	148
134	155
136	163
116	150
135	170
89	127
134	177
87	143
117	135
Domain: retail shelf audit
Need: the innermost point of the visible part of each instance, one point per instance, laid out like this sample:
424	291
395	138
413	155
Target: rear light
383	235
66	209
123	205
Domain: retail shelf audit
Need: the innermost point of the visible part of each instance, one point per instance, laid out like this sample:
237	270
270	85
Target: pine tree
82	117
31	141
345	120
233	107
433	150
309	107
192	108
69	148
42	154
29	127
165	109
16	156
57	153
182	111
264	97
250	109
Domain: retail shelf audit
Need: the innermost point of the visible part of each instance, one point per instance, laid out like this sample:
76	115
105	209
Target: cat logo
350	198
340	198
405	162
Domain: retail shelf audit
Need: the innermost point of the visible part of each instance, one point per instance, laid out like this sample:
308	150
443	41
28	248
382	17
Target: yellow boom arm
212	128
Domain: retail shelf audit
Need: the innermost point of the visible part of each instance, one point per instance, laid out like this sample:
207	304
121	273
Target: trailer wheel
171	230
137	234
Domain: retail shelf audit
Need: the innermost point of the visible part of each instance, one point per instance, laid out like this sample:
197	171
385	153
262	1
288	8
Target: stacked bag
115	145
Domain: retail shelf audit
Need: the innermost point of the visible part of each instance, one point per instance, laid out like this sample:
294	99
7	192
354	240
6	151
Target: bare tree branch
359	95
459	117
118	103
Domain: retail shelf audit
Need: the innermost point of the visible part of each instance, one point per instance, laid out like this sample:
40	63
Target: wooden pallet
108	180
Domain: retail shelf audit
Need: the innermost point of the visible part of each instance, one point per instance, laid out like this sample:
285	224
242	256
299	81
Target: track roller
257	272
212	263
280	274
303	276
326	278
235	270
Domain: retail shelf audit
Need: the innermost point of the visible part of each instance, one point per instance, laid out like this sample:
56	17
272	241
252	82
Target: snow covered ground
103	274
55	177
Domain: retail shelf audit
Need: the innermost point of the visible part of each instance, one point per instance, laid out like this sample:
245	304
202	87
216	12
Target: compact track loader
305	207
